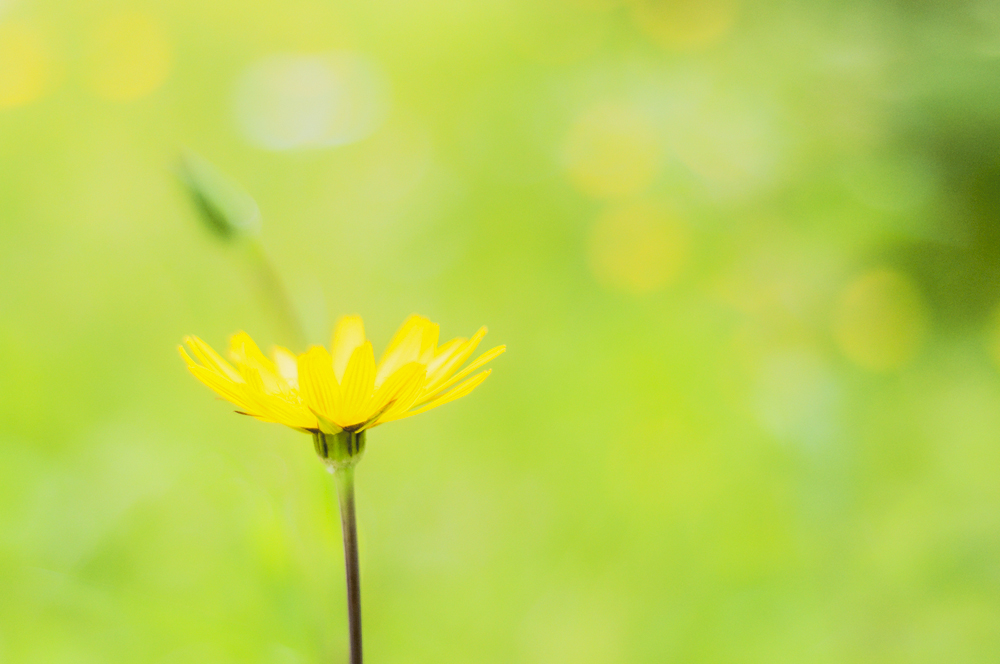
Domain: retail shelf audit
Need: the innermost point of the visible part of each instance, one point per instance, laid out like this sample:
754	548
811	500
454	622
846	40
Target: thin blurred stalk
233	215
272	291
344	478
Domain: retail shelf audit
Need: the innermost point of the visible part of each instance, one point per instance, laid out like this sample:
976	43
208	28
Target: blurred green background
744	255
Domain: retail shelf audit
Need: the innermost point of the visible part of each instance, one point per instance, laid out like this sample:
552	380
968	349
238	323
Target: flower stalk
341	452
344	478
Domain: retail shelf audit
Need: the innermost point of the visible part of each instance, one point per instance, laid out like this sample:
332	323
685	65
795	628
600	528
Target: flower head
343	389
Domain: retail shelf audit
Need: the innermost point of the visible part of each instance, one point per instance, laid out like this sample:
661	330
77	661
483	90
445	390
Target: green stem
344	477
274	293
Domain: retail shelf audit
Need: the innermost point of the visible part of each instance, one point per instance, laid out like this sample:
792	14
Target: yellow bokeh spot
130	57
685	24
25	65
613	150
639	248
880	320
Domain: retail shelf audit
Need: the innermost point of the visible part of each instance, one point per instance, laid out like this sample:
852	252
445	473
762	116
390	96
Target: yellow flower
343	389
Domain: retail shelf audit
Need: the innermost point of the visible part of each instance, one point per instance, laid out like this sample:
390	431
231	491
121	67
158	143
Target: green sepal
340	450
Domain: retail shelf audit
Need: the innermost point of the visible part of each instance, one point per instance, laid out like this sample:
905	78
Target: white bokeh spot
287	102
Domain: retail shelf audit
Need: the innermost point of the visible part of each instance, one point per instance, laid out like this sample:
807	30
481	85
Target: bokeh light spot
685	24
285	102
25	65
880	320
734	148
638	248
612	150
130	57
795	397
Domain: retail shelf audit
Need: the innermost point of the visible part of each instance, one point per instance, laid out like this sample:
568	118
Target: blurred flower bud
223	205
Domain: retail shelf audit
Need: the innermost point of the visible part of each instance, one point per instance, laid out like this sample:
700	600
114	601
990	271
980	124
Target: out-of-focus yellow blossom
343	389
25	64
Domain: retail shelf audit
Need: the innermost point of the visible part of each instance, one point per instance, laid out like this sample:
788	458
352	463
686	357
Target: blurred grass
747	274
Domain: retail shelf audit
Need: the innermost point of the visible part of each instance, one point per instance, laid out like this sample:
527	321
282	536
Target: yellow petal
415	340
287	365
407	398
276	407
456	393
253	387
429	341
210	358
231	391
317	384
442	355
244	351
357	387
399	391
475	364
449	366
347	336
327	425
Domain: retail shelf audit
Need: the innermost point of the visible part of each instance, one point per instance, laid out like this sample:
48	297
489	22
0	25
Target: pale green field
745	259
